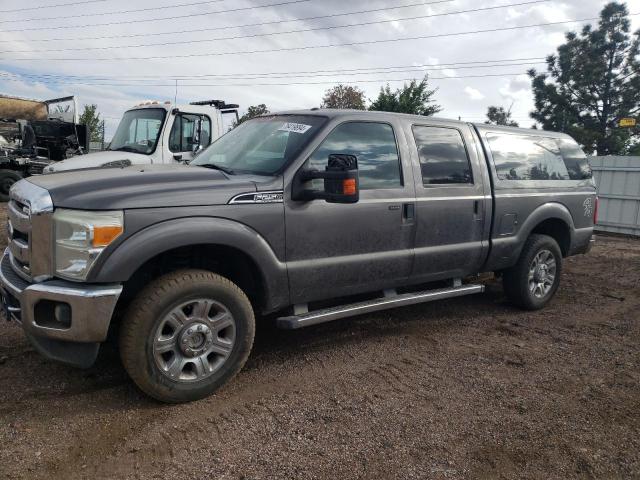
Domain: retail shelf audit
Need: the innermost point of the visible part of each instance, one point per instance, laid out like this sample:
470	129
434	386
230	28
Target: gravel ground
464	388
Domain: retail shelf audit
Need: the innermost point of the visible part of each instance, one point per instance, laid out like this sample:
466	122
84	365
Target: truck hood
97	159
145	186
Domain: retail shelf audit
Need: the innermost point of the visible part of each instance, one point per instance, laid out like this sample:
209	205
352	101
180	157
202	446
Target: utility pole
103	134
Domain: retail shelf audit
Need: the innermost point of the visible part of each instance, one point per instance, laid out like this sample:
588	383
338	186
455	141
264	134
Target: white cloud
473	93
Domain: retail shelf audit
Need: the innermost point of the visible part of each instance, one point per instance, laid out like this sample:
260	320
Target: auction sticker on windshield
294	127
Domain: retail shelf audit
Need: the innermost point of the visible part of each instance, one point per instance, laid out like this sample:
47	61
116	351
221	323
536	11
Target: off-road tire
515	280
152	304
7	178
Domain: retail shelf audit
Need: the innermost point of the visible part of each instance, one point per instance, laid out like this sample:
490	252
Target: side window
174	135
524	157
205	132
574	159
183	133
443	156
374	144
189	132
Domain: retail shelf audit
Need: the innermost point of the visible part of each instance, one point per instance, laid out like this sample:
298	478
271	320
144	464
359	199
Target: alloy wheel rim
194	340
542	273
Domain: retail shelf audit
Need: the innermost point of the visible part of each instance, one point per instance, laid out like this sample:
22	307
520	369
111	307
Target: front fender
505	250
129	255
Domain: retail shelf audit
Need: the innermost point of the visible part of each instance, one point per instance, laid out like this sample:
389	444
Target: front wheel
186	334
533	281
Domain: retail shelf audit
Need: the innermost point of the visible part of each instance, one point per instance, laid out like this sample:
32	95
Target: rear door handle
408	212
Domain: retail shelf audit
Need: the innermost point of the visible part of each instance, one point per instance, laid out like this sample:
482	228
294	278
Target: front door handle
477	213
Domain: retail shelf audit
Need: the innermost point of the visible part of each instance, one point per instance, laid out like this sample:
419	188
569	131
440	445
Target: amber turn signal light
349	186
105	234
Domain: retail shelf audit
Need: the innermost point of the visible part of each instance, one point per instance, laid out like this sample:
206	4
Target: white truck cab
159	133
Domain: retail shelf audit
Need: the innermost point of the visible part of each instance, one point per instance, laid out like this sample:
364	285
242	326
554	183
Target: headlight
80	237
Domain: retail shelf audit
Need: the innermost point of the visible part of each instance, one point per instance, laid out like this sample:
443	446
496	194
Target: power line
302	30
24	9
307	47
137	10
147	20
211	29
238	76
345	82
235	74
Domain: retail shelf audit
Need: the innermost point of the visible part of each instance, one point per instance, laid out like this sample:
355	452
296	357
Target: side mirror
341	181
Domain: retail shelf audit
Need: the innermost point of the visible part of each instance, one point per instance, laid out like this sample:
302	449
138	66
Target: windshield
139	130
261	146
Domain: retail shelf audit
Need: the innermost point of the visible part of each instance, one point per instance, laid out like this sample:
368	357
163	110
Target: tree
91	119
415	98
500	116
344	96
593	80
252	112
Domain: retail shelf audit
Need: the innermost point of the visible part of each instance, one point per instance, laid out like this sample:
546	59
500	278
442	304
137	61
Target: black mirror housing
341	181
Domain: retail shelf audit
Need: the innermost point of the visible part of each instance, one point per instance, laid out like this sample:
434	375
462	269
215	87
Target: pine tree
591	82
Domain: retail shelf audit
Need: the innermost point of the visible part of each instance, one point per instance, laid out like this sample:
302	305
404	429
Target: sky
239	51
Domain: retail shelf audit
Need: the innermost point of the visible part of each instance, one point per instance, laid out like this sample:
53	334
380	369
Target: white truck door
189	133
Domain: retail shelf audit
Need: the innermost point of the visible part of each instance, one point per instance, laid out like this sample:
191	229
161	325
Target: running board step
388	301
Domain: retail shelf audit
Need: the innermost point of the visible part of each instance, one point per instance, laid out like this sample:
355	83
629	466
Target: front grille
30	212
20	236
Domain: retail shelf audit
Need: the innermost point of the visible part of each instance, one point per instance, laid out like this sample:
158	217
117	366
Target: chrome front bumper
87	308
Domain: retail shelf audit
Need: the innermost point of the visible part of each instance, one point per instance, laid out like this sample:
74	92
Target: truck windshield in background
261	146
139	131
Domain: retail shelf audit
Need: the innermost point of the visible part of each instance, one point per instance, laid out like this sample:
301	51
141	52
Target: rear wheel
533	281
7	179
186	334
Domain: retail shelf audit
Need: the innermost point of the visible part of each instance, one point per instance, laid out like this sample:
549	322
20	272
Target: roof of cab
335	113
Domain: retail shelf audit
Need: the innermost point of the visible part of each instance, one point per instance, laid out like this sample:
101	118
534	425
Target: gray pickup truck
305	217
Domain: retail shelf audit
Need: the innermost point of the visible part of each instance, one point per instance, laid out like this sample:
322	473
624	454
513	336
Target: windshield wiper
213	166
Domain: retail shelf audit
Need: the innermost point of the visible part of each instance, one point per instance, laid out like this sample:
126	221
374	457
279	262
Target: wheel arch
557	229
221	245
551	218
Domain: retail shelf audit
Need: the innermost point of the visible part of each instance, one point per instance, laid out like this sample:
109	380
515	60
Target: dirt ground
464	388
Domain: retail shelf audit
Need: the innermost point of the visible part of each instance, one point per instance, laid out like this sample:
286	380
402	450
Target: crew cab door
336	249
189	133
453	201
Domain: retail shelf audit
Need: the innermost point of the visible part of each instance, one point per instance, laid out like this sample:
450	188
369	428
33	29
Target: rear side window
574	159
374	144
443	156
527	157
